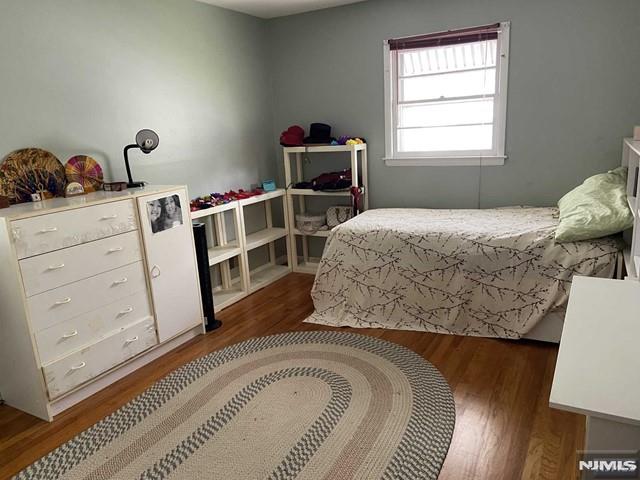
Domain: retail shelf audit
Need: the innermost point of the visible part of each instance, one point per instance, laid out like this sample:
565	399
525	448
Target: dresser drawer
69	265
83	365
53	231
62	303
89	328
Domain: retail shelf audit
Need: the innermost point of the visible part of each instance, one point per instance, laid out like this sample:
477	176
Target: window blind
450	37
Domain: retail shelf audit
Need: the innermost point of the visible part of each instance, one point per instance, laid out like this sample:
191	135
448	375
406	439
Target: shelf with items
361	147
268	236
278	193
297	197
207	212
318	193
224	250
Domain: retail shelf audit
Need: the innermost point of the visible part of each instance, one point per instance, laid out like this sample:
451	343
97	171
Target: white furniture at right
631	159
598	367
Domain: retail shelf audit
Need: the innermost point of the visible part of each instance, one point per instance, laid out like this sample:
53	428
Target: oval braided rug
307	405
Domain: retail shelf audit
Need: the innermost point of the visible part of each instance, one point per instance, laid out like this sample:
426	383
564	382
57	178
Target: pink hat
292	137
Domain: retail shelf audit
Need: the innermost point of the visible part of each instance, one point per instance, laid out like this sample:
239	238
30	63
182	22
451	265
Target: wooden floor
504	427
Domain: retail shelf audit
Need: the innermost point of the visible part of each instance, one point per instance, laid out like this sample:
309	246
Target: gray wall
83	76
573	91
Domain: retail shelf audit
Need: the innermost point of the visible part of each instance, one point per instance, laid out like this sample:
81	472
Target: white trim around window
494	156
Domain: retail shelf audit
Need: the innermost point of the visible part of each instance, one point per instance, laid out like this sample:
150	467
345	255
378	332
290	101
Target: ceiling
277	8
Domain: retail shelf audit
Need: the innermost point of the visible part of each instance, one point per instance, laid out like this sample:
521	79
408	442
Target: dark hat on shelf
292	136
319	133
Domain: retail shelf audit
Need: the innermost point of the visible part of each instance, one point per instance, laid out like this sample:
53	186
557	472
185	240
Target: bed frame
549	329
628	264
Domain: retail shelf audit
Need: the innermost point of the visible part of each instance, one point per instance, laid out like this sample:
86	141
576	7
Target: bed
491	273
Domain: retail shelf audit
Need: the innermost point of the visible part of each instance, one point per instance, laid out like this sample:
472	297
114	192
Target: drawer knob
121	281
79	366
64	301
131	340
109	217
56	267
70	335
49	230
115	249
125	311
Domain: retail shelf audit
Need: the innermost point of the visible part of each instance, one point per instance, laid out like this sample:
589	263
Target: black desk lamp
146	140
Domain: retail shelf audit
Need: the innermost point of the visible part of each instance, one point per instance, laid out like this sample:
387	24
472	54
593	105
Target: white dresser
92	288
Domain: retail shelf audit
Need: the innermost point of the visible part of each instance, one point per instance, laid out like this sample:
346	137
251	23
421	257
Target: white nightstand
598	368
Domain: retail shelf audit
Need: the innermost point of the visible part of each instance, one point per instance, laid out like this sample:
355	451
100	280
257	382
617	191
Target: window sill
445	161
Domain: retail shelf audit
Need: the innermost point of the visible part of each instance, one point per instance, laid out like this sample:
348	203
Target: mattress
491	272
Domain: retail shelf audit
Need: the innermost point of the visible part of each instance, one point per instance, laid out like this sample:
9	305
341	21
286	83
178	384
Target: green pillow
596	208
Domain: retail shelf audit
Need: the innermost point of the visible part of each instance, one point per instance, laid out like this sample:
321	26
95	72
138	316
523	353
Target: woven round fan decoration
31	170
86	171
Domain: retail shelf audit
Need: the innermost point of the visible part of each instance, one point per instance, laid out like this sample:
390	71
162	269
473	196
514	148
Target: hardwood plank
504	429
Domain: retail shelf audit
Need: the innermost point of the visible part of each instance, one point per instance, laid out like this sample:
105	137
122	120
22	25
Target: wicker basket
310	223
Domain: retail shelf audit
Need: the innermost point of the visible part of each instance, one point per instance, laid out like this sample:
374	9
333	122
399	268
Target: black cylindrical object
206	289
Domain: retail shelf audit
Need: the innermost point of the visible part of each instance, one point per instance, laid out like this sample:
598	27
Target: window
446	97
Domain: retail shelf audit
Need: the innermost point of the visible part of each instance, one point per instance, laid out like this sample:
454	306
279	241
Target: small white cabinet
171	262
598	363
91	288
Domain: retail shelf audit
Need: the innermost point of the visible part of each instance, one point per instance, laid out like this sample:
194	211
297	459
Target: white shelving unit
265	274
224	249
631	159
262	237
304	263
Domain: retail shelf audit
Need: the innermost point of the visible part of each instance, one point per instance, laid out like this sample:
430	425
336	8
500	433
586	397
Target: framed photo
164	213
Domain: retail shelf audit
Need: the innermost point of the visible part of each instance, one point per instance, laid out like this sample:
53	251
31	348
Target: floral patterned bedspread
493	272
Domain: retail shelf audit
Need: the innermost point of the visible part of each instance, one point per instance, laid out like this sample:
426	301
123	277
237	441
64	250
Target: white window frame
495	156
